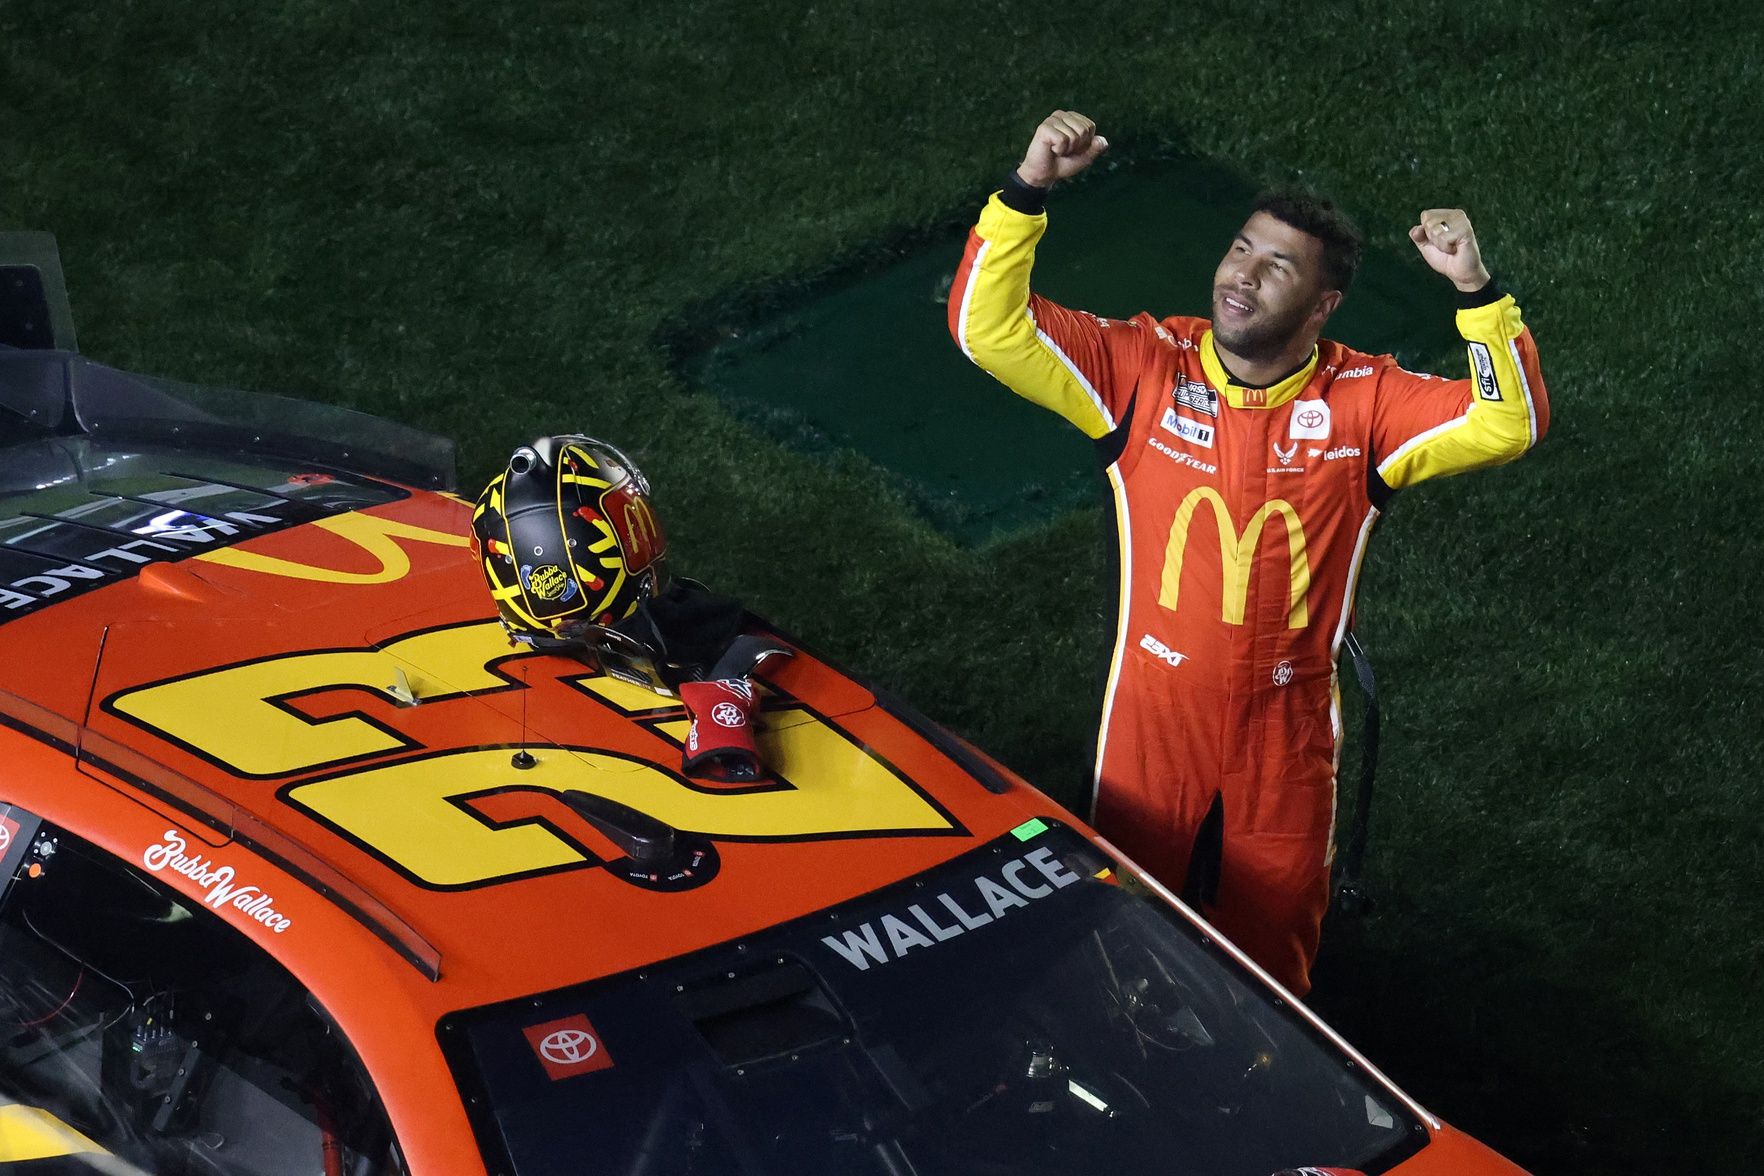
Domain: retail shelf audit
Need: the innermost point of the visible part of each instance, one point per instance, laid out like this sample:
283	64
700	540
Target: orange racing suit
1242	516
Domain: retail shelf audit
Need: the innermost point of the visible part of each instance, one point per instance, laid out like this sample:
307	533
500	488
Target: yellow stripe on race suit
1501	422
997	331
1124	538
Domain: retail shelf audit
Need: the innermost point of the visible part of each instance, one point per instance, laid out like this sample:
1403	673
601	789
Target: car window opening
135	1019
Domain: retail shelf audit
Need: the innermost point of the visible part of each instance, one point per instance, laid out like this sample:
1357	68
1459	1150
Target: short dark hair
1321	218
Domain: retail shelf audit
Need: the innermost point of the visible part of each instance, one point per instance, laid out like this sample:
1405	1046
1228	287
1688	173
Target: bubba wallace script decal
219	882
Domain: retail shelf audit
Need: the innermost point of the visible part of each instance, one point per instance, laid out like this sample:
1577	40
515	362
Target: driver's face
1269	289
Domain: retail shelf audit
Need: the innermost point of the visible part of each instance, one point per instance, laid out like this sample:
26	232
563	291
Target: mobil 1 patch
1190	431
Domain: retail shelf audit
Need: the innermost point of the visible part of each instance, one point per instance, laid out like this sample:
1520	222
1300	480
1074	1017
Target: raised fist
1063	145
1448	244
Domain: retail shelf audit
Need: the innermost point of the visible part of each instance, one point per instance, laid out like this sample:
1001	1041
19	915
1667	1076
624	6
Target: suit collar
1243	396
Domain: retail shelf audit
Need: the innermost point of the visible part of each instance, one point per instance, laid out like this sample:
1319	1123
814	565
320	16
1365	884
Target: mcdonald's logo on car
1237	555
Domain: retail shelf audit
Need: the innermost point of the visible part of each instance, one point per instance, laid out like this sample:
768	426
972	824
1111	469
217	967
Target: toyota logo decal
1310	418
569	1047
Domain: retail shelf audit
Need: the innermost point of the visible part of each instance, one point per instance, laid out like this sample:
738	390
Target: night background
496	220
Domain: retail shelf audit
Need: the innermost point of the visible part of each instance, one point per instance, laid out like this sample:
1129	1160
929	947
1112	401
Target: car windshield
1026	1008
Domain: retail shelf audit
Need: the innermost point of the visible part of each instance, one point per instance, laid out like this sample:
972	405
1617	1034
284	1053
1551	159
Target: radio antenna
524	759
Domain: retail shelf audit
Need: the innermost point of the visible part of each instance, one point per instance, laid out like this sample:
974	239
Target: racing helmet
568	543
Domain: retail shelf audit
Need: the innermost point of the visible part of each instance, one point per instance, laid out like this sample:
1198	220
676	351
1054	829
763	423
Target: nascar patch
1196	396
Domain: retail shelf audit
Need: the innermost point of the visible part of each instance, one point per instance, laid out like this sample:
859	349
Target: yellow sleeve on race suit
1428	428
1077	365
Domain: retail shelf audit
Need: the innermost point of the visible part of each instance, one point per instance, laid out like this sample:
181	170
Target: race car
307	867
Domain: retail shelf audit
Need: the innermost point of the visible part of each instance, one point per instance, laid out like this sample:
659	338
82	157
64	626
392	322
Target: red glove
720	744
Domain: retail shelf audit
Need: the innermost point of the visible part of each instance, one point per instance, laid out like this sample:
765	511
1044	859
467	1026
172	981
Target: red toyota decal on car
568	1047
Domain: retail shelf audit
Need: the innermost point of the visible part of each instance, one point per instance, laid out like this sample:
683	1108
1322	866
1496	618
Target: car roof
301	660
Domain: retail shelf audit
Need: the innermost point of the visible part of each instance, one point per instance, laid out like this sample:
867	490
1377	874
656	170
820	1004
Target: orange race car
307	867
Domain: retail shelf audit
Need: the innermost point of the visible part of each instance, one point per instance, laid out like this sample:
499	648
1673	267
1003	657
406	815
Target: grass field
486	219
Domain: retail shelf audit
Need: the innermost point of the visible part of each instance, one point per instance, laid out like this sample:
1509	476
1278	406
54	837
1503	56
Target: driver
1249	459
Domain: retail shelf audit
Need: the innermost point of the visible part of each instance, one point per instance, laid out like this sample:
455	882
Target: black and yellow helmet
568	541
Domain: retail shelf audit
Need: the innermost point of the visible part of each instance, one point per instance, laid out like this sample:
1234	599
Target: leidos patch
568	1047
1193	432
1482	363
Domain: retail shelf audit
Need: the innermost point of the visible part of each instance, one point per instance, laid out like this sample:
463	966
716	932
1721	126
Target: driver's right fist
1063	145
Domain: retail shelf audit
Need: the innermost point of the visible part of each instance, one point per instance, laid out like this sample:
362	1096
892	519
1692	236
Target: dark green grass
485	219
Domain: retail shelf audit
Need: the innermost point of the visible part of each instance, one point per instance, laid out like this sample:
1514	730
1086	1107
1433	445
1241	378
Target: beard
1266	336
